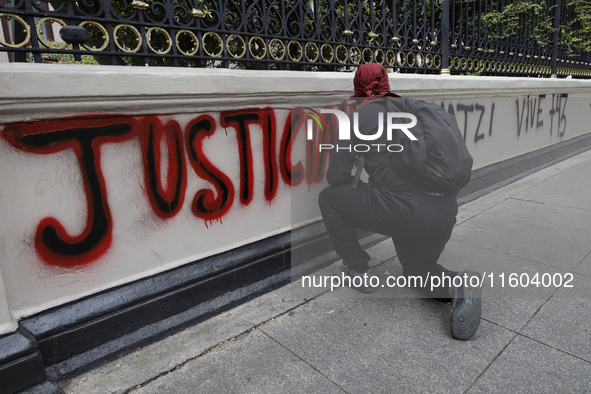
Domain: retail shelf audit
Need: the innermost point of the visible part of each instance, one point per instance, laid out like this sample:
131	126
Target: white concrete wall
46	185
7	322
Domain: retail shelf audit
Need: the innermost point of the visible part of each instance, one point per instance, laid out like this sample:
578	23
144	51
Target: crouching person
417	213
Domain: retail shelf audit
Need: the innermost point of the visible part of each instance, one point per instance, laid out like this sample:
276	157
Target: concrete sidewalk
317	341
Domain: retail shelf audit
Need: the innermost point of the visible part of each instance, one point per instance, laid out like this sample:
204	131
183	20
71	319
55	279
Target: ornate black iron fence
426	36
486	39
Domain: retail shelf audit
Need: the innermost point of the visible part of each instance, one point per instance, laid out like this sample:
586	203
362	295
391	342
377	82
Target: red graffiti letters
317	160
163	146
241	122
84	136
292	176
166	200
205	204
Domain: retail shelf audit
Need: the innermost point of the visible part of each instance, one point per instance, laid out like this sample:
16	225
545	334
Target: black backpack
439	158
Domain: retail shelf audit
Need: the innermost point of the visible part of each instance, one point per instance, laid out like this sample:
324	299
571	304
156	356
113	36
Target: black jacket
380	175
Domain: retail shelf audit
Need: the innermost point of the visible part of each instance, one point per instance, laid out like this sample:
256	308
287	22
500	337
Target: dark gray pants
420	225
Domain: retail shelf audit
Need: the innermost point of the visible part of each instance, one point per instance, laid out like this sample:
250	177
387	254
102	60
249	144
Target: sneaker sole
465	316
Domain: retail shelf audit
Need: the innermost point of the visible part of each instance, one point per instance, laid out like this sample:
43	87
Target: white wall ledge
45	91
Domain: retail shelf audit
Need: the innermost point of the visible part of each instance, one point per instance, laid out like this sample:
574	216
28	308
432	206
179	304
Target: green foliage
536	19
510	20
576	35
121	8
63	58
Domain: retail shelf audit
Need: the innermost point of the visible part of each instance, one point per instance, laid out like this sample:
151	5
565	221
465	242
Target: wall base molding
496	175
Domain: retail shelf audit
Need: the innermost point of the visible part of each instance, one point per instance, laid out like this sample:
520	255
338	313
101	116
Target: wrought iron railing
425	36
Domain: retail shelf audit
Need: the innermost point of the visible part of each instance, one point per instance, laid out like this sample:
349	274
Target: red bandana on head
371	80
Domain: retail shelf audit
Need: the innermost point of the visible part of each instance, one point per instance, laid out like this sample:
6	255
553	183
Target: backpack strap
360	164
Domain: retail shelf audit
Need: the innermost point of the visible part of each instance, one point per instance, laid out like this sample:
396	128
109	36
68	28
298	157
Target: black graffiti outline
540	123
166	207
466	109
492	112
482	109
520	118
99	218
558	108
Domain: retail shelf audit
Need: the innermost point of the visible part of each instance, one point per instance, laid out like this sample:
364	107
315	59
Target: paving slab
163	356
565	324
508	307
566	218
521	185
504	305
389	268
585	267
498	268
387	345
158	358
566	188
542	242
253	364
527	366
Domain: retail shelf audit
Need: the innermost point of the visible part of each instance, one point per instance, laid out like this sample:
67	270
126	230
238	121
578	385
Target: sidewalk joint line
518	332
550	203
537	310
304	361
524	258
581	262
479	213
491	363
508	343
500	325
555	348
214	347
526	200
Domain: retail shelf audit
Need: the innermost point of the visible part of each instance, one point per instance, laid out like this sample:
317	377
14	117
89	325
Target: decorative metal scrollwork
124	35
342	55
187	42
26	30
56	45
97	32
294	50
312	52
277	49
236	46
327	53
257	47
213	44
401	58
379	56
151	35
296	34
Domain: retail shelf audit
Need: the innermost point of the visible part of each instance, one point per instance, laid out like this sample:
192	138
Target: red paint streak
316	161
206	204
291	175
241	121
84	135
269	128
166	200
